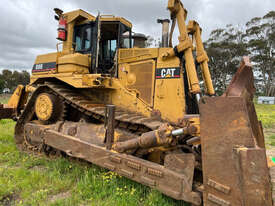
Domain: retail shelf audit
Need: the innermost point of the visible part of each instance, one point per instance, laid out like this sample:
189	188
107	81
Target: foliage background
11	80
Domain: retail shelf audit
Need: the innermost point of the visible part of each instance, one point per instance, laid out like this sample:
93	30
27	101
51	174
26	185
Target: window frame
82	28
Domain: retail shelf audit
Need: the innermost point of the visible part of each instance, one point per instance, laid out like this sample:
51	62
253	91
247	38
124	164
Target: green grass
38	180
266	114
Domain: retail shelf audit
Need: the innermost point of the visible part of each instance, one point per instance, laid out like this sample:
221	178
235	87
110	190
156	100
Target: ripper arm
194	29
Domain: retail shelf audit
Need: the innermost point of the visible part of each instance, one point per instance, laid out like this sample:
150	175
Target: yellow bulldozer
140	112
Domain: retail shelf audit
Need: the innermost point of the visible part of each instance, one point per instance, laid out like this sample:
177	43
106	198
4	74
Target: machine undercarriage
79	132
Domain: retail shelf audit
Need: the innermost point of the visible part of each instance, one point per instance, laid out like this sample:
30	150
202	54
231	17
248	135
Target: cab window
109	48
87	38
82	39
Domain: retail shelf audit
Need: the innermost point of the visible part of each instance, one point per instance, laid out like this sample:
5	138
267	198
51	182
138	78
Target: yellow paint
185	45
73	15
195	121
136	54
164	96
78	17
169	93
141	77
30	88
15	98
202	58
124	98
72	18
44	107
75	63
50	57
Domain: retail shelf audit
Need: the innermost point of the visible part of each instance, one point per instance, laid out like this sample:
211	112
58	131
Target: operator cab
102	48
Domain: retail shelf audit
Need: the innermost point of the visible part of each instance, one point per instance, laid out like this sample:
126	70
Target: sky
28	28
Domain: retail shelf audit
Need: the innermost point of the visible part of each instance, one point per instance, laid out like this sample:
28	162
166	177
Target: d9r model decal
44	67
168	73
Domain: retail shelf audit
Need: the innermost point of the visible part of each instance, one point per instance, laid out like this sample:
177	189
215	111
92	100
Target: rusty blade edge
242	82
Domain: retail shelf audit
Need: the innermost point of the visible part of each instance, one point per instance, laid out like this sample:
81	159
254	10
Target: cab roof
72	15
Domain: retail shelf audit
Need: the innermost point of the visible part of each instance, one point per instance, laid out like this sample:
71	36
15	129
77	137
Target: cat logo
168	73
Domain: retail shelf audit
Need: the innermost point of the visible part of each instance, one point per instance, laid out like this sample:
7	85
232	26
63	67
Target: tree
260	35
225	47
24	78
11	80
256	38
7	77
2	84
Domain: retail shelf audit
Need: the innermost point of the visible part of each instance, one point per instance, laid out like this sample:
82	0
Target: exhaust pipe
165	31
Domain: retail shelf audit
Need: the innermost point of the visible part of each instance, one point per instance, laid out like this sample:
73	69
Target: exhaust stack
165	31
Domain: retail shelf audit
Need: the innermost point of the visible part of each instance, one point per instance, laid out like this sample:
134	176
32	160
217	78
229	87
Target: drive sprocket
49	108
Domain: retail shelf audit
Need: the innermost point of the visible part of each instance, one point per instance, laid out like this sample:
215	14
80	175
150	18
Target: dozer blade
6	112
235	170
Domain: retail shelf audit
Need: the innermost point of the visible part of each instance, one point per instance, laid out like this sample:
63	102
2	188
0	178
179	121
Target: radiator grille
144	80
